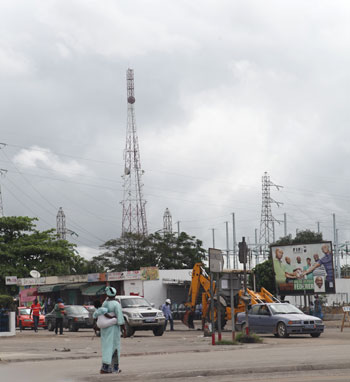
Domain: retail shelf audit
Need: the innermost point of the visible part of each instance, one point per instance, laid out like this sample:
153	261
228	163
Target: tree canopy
164	250
23	248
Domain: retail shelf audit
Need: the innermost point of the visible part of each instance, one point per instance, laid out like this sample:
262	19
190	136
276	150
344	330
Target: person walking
110	336
35	313
59	312
166	309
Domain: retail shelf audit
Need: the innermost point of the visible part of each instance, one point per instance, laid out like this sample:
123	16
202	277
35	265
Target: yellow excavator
201	284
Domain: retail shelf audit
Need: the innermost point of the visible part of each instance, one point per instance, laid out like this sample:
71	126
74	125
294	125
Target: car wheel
129	330
282	330
315	335
50	326
72	327
158	331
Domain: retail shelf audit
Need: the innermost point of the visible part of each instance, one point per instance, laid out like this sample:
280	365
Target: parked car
281	320
76	317
140	315
23	319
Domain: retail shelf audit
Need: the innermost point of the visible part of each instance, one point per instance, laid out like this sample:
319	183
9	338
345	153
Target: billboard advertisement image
304	268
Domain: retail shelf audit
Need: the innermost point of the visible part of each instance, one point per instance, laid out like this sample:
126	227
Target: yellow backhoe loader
200	293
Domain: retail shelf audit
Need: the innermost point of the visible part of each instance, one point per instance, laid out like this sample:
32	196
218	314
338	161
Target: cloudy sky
225	90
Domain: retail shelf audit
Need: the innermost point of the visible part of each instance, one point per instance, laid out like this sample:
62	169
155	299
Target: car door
265	321
253	318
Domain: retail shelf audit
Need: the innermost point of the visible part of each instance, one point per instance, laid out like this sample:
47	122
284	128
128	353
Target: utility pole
2	173
285	224
336	257
134	206
227	248
318	227
235	263
178	228
213	235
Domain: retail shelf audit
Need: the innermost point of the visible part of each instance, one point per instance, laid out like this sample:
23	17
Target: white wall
133	287
155	290
342	287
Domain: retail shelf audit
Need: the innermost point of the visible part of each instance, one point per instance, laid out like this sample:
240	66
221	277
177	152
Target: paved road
178	355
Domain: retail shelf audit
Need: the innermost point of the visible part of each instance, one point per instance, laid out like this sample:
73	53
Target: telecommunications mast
167	222
134	211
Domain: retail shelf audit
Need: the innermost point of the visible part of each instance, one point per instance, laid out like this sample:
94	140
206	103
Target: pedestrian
110	336
59	313
166	308
35	313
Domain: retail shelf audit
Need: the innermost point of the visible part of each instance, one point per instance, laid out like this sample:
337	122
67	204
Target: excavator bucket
185	318
188	319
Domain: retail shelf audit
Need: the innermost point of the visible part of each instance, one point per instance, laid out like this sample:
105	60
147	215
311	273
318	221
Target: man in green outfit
279	268
59	313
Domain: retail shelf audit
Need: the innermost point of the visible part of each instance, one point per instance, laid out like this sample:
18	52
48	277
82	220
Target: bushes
7	302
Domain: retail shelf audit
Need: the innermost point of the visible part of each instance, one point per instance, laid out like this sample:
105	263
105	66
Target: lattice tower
61	224
267	219
134	211
167	221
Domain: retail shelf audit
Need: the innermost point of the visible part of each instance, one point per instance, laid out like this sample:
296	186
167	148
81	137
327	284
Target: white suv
140	315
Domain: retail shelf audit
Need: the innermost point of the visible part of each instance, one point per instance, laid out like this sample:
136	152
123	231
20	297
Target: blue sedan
281	320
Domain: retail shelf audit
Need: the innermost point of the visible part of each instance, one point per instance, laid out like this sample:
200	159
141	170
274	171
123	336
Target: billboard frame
293	279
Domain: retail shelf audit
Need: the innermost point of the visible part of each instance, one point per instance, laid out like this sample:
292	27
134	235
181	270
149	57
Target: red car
25	321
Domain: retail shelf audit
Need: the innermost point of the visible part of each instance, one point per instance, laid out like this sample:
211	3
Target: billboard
149	273
304	268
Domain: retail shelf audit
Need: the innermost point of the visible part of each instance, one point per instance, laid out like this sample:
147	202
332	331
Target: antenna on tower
134	211
2	173
61	225
267	220
167	222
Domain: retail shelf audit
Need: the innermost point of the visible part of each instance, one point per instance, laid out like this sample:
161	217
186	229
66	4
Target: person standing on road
59	312
166	309
110	337
35	312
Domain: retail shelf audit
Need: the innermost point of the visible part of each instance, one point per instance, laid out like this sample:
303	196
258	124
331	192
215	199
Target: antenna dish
35	274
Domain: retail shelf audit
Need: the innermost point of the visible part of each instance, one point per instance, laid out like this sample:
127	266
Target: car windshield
134	302
76	309
24	311
284	309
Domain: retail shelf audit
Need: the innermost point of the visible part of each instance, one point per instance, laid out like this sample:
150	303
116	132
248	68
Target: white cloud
37	157
88	252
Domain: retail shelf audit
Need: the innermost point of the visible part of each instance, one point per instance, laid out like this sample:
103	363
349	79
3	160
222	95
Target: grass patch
252	338
226	342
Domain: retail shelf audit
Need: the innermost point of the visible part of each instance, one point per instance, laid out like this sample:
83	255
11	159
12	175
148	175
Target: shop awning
94	290
76	286
49	288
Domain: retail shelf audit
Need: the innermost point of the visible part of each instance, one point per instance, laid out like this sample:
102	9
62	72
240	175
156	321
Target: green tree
24	248
264	276
167	251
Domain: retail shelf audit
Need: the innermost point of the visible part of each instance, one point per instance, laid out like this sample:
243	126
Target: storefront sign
31	281
11	280
127	275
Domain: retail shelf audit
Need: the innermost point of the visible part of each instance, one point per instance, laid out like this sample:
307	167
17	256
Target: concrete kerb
222	372
40	358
